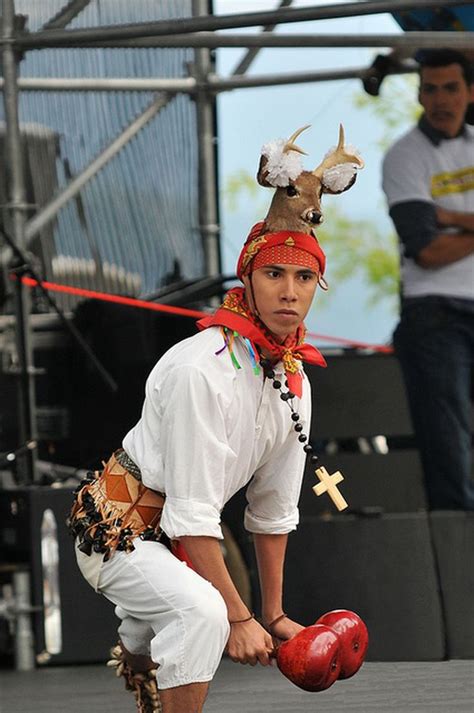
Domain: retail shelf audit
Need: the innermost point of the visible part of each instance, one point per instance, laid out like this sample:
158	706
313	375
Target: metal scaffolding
137	31
200	32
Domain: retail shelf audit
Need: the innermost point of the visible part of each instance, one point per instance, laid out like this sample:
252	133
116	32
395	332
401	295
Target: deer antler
337	157
291	146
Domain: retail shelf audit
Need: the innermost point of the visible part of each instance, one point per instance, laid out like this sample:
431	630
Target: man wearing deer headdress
428	177
224	409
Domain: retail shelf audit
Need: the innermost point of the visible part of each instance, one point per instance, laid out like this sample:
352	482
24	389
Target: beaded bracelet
242	621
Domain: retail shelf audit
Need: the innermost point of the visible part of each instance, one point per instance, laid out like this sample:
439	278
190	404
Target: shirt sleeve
415	223
406	182
405	177
274	491
195	454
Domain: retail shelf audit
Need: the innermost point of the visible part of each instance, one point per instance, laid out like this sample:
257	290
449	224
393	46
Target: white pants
167	610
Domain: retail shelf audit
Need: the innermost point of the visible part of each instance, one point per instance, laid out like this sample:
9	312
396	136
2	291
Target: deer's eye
291	191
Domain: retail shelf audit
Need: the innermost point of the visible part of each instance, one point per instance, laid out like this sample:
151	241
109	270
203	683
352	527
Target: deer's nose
313	216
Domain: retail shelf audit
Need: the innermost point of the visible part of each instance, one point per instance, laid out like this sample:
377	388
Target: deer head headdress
296	204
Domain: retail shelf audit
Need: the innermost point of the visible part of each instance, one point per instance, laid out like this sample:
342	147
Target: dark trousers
434	343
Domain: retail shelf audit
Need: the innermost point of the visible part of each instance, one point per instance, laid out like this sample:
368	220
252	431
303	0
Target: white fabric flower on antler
281	167
339	166
283	160
337	177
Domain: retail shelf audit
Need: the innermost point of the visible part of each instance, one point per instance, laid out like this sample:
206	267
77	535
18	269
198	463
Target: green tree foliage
239	184
358	247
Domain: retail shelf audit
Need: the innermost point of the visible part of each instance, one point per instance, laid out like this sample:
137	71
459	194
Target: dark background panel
358	395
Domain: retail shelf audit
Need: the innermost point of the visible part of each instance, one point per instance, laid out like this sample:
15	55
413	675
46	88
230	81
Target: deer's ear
262	172
338	179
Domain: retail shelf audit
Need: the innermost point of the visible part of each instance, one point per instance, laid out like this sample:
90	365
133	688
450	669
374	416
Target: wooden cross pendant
328	485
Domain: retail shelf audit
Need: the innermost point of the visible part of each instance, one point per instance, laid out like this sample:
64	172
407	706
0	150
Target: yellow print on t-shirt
452	182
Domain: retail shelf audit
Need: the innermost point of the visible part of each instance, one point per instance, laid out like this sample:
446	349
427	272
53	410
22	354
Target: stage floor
440	687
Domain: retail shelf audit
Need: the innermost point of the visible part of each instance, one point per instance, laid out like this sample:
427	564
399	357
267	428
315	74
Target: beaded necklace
287	397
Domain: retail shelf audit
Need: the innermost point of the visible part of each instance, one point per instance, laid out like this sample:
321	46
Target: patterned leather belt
113	507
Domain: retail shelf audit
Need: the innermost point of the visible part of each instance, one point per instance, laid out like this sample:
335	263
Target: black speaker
358	395
87	621
380	567
453	539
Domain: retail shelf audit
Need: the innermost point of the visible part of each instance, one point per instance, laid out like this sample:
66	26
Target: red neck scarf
235	314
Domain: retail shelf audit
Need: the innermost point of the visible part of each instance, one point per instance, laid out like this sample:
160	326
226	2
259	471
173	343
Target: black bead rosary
287	396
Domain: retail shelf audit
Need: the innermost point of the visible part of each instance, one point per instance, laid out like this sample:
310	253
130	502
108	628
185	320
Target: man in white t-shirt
428	178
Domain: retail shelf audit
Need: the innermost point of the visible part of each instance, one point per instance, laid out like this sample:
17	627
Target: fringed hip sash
113	507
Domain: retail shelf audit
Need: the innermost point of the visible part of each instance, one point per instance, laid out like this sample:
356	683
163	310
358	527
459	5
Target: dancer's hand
249	643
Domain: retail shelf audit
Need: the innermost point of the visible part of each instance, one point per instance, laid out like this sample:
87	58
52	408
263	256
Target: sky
247	118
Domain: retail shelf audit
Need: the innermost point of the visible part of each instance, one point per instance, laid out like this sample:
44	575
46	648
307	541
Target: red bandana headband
284	247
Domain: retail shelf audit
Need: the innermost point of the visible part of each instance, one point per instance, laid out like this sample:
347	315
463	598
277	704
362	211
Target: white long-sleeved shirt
206	428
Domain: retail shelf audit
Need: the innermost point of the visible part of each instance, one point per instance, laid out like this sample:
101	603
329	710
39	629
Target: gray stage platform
441	687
